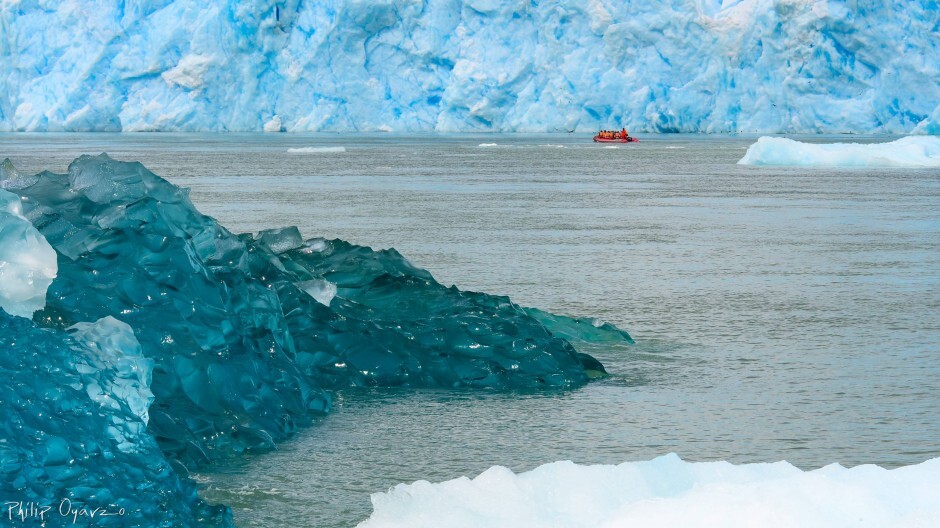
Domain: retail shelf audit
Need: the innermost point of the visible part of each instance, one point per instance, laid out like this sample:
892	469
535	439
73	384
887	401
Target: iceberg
247	334
75	446
668	491
205	343
316	150
711	66
911	152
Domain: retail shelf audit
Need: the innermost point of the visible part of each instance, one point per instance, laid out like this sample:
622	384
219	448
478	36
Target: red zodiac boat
607	136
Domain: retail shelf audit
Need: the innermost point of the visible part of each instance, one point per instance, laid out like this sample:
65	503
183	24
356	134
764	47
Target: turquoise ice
247	334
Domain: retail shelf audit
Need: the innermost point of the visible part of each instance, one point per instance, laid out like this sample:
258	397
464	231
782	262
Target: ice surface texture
667	492
550	65
248	333
912	152
27	261
74	429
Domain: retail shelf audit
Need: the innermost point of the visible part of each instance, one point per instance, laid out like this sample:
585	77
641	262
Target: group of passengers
613	134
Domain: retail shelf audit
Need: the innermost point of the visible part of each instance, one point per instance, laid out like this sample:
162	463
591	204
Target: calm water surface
779	313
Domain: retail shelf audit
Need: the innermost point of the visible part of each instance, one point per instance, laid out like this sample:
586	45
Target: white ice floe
315	150
27	261
668	492
914	152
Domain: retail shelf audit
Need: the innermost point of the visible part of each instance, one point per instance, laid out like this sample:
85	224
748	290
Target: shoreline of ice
907	152
667	492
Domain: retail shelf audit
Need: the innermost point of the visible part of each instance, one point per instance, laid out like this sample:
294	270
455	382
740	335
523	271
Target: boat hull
598	139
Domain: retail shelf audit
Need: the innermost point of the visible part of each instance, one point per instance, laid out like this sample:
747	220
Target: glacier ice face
912	152
27	262
74	430
667	491
556	65
241	350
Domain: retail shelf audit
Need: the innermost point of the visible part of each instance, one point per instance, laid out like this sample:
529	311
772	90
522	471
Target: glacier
27	262
909	152
713	66
665	492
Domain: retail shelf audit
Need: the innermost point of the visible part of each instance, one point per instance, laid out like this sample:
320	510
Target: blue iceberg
206	343
74	446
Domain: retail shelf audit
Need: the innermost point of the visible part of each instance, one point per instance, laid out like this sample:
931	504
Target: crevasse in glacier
248	333
548	65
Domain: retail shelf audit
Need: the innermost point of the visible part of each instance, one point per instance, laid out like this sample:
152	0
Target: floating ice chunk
27	261
315	150
914	152
667	492
321	290
10	178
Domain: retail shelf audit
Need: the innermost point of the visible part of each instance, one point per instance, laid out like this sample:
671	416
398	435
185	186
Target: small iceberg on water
316	150
140	339
667	492
912	152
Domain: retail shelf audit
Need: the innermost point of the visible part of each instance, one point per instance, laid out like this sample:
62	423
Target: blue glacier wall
469	65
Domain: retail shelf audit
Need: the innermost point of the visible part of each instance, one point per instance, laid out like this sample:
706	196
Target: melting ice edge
165	342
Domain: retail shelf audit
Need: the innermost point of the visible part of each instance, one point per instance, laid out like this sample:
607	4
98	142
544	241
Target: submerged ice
912	152
558	65
167	342
667	492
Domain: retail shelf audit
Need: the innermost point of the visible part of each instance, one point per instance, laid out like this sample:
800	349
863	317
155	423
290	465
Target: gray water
779	313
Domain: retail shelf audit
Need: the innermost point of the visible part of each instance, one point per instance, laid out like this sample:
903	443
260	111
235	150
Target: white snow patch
189	71
668	492
315	150
914	152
